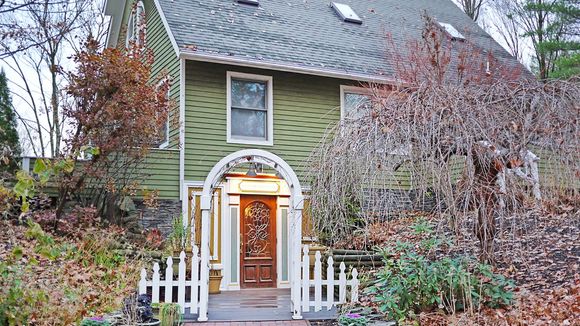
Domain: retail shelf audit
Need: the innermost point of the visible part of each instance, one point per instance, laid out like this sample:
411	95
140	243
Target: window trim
269	141
350	89
135	19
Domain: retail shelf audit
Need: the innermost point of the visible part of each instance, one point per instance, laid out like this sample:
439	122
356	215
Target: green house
257	83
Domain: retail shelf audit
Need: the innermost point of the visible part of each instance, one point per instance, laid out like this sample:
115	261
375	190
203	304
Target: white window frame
165	144
135	20
344	89
269	141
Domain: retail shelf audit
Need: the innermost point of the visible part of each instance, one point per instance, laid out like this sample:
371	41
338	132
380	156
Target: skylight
248	2
346	13
452	31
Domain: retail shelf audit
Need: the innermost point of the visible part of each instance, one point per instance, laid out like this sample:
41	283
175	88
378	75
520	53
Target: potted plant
178	236
170	314
137	310
215	278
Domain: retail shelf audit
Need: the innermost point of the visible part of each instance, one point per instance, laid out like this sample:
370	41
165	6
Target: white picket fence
191	281
328	284
182	282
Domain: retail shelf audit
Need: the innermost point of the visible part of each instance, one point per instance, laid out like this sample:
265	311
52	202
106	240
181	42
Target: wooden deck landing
256	305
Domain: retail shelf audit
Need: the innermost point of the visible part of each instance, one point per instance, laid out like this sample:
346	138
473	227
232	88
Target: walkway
271	305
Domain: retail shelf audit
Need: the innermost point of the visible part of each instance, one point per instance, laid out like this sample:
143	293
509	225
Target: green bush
170	314
411	282
17	301
95	321
352	319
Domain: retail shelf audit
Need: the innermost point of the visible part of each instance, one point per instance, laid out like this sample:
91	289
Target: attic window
249	2
452	31
346	13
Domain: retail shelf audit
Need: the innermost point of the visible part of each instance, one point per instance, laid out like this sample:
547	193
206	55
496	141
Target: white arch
297	204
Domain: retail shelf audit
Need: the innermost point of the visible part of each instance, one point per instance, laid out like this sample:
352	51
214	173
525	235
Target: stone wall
159	217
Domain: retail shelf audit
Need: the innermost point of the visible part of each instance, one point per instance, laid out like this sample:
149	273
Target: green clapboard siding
304	106
161	173
162	168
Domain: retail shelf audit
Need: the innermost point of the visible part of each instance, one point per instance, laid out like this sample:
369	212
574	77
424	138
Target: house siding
304	106
162	165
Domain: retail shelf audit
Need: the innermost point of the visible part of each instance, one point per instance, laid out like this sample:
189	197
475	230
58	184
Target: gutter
195	56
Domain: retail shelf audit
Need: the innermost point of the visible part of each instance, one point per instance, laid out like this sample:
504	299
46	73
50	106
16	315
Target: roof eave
114	9
280	66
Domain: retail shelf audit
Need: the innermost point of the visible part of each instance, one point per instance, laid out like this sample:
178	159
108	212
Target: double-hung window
354	102
249	109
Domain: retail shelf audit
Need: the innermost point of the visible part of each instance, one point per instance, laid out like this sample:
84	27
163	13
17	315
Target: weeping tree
461	135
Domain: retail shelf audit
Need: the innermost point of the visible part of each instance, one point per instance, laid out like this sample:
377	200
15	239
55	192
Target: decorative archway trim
296	203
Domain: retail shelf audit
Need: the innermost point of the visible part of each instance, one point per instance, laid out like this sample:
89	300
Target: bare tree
35	44
472	7
464	144
506	24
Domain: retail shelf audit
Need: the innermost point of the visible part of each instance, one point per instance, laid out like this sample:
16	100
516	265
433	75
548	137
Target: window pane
249	123
356	104
248	94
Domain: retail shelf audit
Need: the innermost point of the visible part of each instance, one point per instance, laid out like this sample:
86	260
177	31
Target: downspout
182	192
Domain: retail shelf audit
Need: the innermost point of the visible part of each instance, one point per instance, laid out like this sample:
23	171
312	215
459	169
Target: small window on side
163	141
354	102
135	25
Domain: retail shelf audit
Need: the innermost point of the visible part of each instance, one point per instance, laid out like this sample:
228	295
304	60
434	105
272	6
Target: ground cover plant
49	279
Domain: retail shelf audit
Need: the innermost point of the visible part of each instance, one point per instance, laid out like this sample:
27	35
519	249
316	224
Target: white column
296	244
204	280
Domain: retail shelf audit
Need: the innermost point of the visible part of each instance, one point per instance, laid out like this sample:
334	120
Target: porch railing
327	285
185	279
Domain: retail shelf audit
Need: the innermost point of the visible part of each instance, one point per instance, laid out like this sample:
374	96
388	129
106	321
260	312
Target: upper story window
249	109
135	25
354	101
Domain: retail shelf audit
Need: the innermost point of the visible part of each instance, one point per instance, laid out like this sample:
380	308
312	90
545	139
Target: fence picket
305	279
342	284
143	282
194	279
330	284
155	285
317	282
181	283
354	286
169	280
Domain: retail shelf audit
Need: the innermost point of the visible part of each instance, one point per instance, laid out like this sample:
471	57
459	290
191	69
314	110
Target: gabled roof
308	36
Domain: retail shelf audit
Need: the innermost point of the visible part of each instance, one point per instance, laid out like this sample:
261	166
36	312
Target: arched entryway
295	217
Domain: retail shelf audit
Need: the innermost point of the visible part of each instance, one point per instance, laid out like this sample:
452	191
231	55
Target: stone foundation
160	217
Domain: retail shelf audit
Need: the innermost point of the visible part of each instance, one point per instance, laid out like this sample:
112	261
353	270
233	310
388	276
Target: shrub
412	282
352	319
95	321
170	314
17	301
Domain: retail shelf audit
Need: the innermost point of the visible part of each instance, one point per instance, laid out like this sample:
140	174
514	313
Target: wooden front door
258	241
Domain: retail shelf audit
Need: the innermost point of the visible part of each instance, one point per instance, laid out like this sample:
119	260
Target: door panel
258	241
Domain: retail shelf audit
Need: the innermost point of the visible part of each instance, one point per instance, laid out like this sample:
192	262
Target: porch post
296	238
204	280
